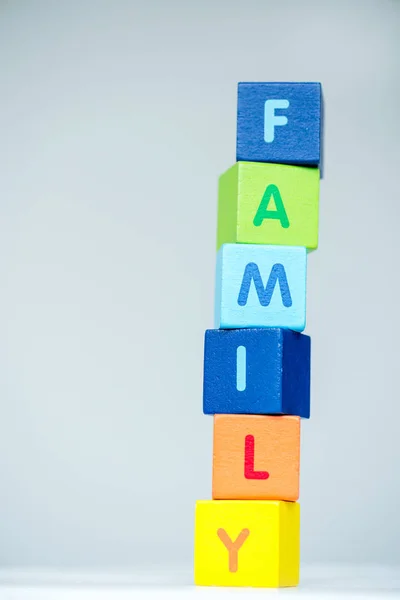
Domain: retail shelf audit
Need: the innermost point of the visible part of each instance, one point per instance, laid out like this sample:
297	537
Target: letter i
241	368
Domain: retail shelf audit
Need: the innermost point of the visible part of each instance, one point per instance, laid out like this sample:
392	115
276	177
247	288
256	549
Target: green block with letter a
266	203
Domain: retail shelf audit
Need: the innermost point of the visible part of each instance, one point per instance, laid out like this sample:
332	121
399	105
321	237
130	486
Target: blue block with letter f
279	122
260	286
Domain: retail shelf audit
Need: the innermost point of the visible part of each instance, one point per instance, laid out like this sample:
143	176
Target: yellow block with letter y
250	543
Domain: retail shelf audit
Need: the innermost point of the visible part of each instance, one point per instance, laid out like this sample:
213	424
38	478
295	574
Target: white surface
318	582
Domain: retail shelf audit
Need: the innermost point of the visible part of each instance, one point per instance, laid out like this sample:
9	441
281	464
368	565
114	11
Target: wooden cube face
250	543
260	286
256	371
256	457
268	204
279	123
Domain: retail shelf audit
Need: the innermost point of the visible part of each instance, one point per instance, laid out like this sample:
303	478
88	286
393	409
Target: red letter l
249	471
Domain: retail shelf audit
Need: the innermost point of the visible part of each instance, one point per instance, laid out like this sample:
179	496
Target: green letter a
280	212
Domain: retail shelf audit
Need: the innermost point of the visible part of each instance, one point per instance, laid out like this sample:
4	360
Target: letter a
233	547
263	212
249	471
264	295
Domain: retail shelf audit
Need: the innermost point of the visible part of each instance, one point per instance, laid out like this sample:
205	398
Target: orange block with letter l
256	457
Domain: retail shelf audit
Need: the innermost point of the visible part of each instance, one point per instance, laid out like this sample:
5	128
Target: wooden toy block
256	457
256	371
261	203
249	543
279	123
260	286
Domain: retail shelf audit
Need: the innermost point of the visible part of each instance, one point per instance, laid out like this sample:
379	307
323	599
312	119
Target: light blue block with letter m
260	286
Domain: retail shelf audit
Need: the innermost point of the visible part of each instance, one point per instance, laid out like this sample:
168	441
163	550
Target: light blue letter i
241	368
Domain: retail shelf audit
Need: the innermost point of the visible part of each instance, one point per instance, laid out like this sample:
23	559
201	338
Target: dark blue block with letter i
256	371
279	123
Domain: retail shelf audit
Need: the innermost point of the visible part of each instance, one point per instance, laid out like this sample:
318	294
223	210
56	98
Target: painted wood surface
252	543
279	123
256	371
260	286
256	457
261	203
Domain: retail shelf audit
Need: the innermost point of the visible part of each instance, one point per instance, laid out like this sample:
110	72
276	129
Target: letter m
252	273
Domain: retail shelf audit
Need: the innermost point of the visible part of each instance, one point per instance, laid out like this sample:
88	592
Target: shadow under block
249	543
256	371
260	286
256	457
279	123
261	203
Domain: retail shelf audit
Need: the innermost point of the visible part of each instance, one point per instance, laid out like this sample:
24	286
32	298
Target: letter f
271	120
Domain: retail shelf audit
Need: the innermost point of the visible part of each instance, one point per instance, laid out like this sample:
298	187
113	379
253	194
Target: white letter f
271	120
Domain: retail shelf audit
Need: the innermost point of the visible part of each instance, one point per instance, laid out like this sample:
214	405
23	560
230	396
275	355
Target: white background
116	118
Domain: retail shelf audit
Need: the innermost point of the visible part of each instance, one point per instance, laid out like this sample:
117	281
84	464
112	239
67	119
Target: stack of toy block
257	361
